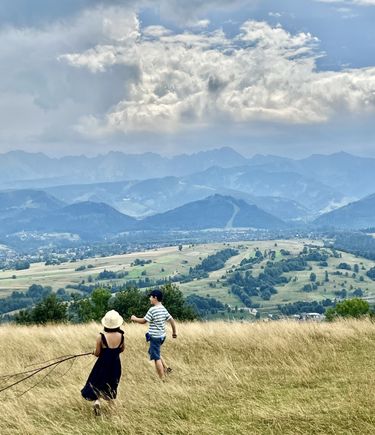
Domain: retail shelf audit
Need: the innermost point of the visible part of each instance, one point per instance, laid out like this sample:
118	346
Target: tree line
127	302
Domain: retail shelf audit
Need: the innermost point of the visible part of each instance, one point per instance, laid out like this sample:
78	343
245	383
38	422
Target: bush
22	265
344	266
350	308
371	273
50	309
93	308
133	301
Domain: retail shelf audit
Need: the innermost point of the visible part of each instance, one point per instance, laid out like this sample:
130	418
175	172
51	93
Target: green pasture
171	261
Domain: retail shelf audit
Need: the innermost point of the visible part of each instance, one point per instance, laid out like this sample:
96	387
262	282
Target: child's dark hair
113	330
157	294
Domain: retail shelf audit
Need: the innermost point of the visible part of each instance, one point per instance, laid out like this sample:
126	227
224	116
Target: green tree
130	301
371	273
349	308
133	301
326	278
50	309
175	303
93	308
22	265
312	277
100	298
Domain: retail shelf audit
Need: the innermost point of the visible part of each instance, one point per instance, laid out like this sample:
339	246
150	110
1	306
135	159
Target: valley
341	275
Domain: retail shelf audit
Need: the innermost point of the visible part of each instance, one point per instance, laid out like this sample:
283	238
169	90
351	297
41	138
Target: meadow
170	261
244	378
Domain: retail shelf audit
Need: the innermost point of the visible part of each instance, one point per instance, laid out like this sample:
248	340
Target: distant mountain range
36	211
13	202
92	220
356	215
309	193
212	189
148	197
351	176
19	169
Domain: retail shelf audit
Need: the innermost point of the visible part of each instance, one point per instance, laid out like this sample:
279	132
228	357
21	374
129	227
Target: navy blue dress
106	373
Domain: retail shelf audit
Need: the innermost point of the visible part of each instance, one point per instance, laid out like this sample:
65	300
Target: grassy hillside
170	261
264	378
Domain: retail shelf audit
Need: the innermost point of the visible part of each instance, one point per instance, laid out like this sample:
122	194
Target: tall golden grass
228	378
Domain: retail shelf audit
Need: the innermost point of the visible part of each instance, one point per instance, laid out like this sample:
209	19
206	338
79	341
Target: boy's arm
173	324
136	319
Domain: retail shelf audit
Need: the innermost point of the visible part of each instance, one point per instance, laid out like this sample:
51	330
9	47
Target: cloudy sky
290	77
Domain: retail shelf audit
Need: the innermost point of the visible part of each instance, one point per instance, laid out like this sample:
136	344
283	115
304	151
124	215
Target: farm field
167	262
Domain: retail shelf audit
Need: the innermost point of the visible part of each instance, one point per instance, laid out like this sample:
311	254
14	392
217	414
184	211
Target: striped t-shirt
156	316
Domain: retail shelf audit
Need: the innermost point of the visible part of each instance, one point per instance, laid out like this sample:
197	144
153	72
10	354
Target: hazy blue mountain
346	177
296	190
95	220
157	195
19	169
111	193
88	219
15	202
308	192
19	165
224	157
216	211
353	176
356	215
283	208
135	198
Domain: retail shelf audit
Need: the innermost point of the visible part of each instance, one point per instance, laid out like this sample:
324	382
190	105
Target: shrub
349	308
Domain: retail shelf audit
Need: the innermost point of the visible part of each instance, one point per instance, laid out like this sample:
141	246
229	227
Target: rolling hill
356	215
157	195
87	219
216	211
308	192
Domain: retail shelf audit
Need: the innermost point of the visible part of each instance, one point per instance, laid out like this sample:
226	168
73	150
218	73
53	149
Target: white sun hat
112	320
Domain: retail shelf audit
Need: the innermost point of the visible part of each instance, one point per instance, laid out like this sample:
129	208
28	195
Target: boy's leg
97	407
159	368
163	362
167	369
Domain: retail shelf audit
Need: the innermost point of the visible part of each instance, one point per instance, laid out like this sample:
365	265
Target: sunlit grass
259	378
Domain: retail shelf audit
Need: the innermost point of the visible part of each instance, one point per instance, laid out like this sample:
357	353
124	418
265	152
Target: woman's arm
98	346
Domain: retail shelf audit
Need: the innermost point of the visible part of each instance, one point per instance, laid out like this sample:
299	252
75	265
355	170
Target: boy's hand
132	318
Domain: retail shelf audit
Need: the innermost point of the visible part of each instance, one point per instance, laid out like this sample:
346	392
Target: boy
156	316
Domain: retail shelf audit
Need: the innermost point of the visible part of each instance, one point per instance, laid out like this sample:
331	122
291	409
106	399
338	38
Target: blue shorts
154	350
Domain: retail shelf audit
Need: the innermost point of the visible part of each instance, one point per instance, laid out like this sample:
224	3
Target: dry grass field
228	378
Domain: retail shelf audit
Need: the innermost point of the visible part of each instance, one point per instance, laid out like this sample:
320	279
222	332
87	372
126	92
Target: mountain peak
215	211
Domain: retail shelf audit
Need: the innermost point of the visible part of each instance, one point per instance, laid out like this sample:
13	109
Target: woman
106	373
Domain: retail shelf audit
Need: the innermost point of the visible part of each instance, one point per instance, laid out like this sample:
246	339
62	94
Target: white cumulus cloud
194	79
